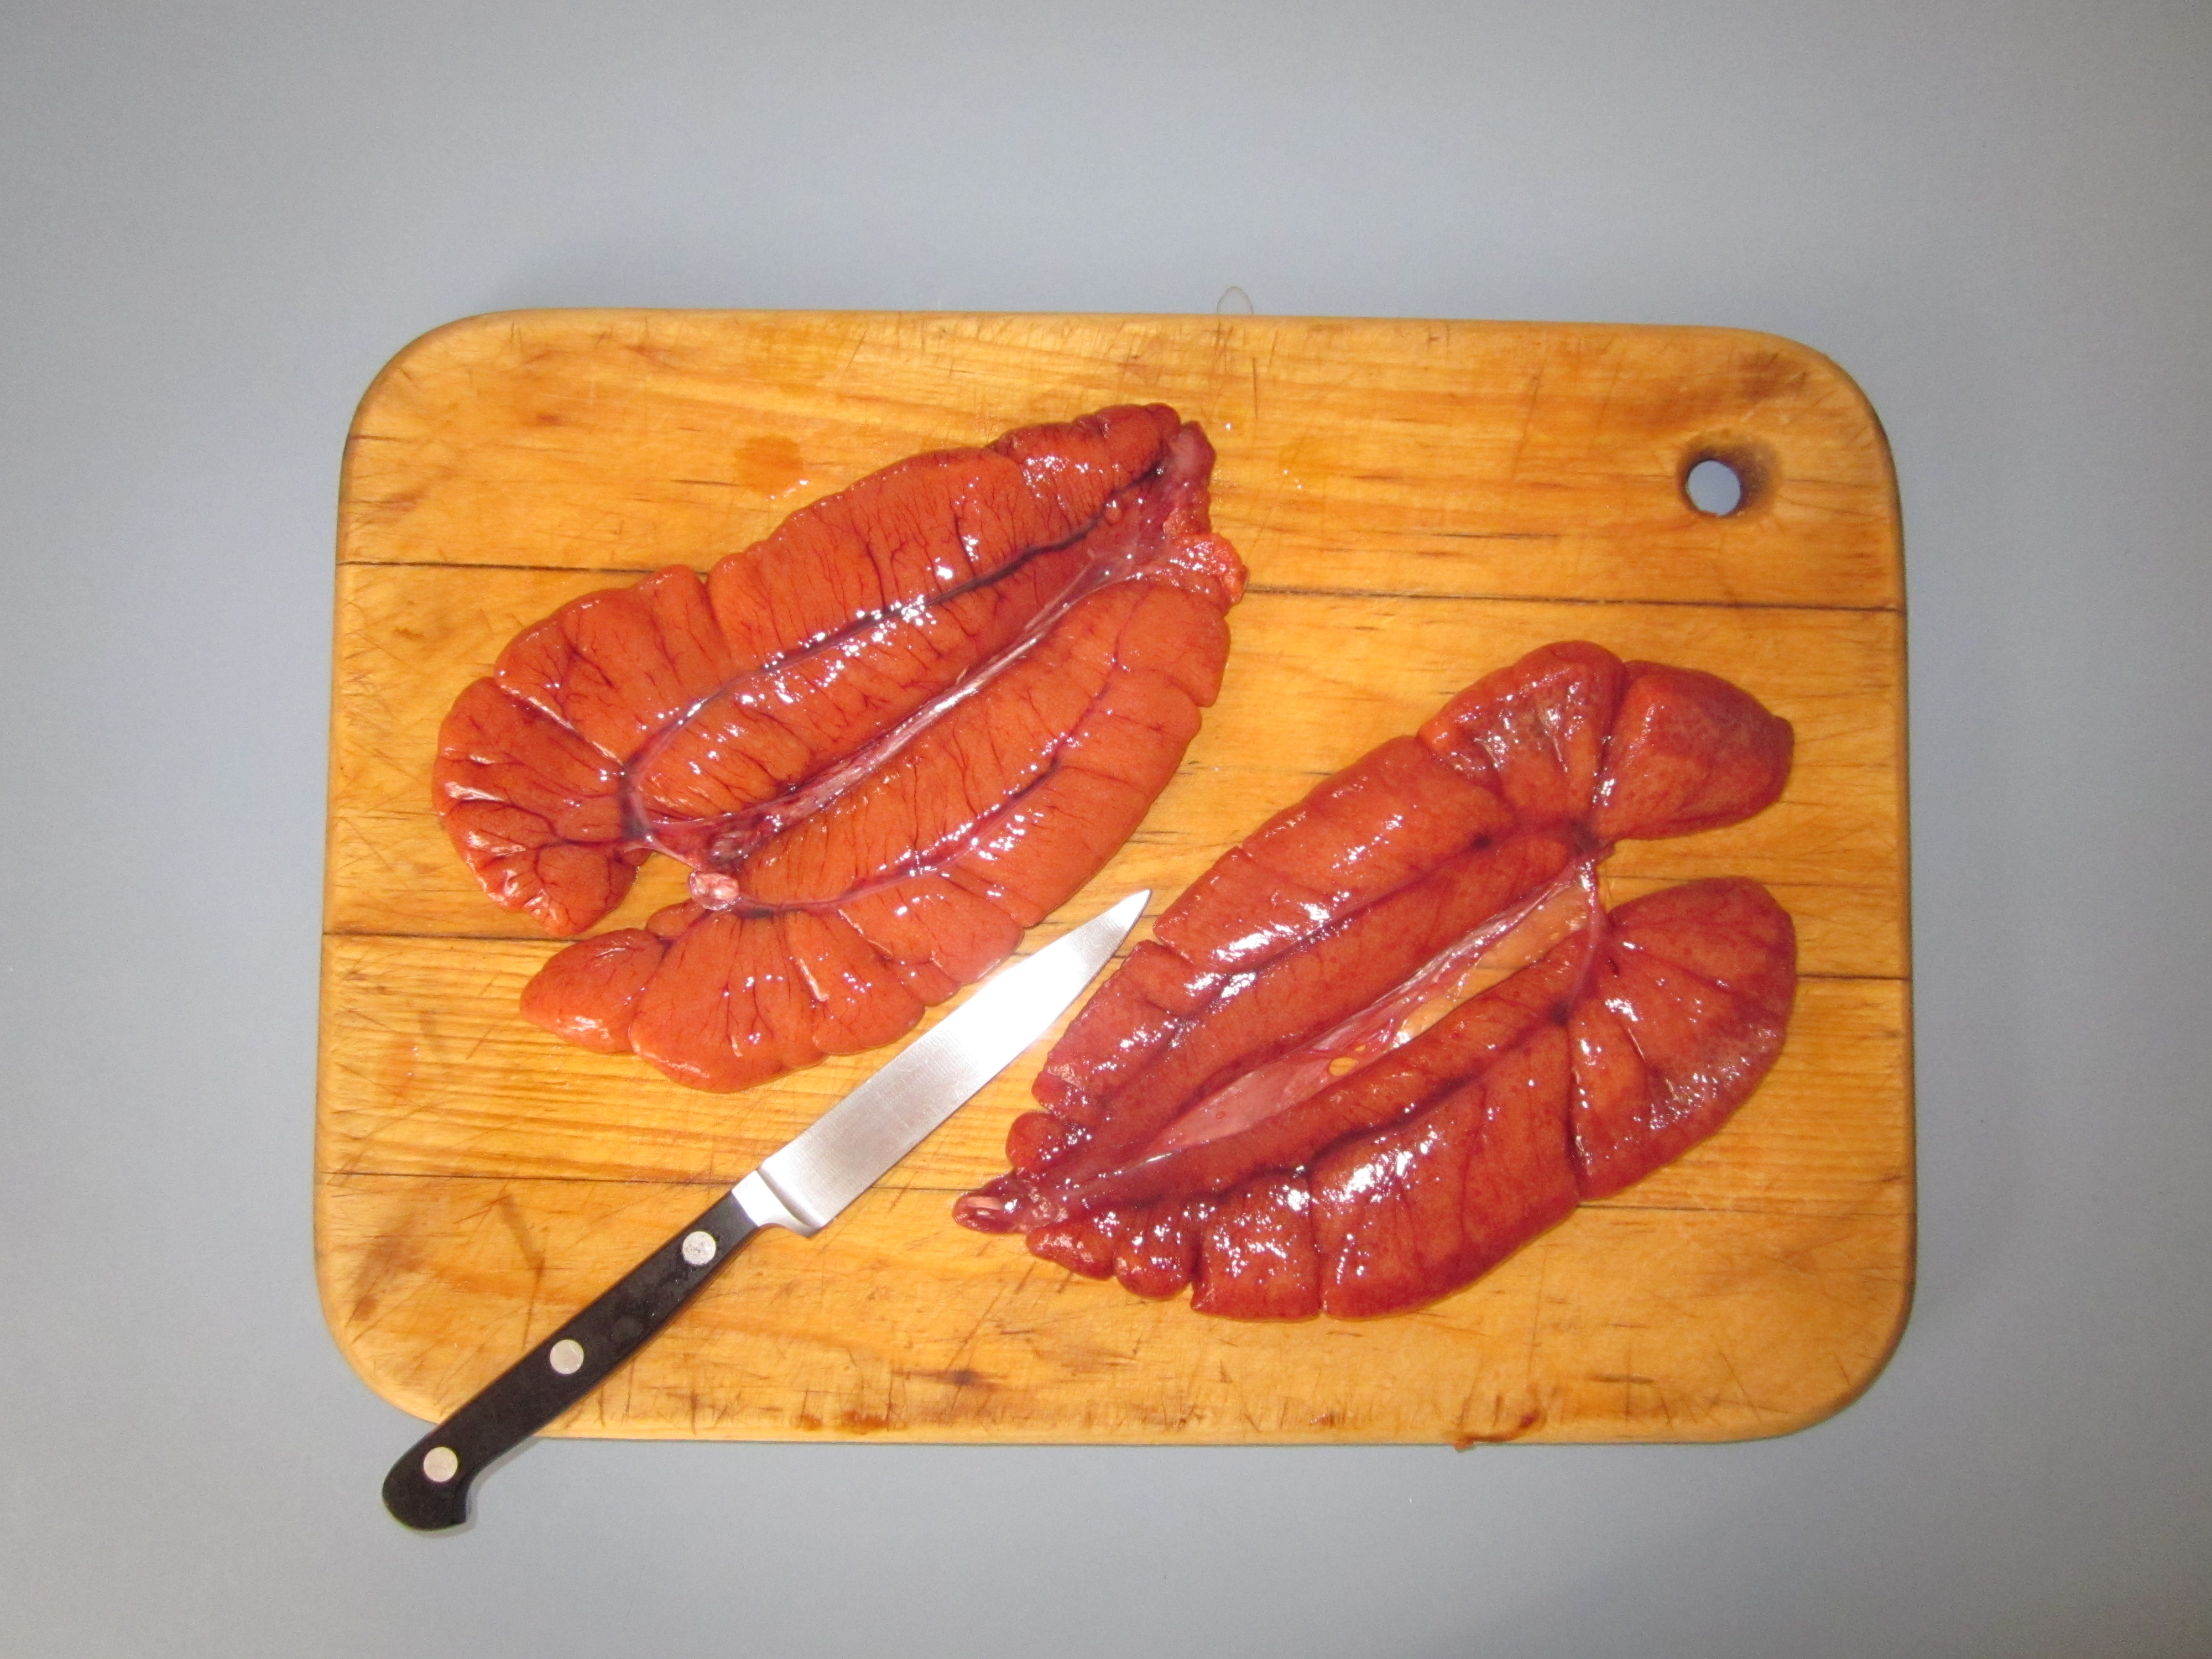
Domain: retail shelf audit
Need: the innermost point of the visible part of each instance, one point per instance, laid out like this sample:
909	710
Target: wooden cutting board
1418	502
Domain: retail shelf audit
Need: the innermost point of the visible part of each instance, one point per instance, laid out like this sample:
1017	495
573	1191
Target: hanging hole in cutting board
1724	476
1714	487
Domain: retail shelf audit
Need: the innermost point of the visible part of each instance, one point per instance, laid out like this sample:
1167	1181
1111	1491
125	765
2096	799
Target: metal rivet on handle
699	1247
439	1465
568	1356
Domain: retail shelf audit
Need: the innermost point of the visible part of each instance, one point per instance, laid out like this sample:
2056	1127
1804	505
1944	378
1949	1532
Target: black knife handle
429	1488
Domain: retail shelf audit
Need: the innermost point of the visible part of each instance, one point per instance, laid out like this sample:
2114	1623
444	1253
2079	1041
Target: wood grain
1418	502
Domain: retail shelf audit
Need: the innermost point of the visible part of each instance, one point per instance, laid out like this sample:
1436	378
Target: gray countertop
217	221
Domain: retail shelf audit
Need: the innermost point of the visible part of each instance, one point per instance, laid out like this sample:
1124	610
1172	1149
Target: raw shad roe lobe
1238	1109
885	740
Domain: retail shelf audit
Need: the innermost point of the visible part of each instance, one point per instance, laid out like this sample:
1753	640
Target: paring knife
802	1186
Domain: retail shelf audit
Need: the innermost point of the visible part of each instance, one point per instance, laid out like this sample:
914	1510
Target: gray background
216	221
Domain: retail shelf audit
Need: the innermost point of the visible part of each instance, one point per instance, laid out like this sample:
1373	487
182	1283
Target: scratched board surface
1418	502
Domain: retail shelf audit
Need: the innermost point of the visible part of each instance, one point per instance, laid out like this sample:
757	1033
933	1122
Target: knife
802	1186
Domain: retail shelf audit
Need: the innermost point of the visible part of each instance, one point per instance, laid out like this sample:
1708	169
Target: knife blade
801	1186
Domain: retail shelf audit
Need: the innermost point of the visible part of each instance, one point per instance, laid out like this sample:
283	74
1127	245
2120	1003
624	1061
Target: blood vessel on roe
888	738
1240	1109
